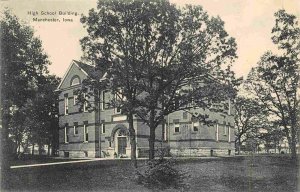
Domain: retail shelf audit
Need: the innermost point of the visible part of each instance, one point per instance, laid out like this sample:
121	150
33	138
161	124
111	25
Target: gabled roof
89	70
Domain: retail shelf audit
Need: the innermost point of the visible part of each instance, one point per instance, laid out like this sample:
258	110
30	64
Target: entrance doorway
121	142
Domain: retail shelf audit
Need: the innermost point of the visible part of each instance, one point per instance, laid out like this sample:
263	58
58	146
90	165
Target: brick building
103	132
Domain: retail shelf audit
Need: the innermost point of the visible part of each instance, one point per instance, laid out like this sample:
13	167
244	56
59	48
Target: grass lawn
258	173
28	160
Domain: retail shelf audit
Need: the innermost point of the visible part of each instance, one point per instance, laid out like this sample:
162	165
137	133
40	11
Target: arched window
75	81
122	133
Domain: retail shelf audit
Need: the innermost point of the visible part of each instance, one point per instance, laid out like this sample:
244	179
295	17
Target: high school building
104	132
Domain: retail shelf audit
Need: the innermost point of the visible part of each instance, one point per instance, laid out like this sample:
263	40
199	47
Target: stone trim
116	128
77	142
89	124
183	140
73	113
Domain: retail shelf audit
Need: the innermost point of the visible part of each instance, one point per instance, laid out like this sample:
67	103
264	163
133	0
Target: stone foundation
77	154
198	152
144	152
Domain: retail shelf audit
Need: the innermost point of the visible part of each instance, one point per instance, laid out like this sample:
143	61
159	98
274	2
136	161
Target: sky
249	21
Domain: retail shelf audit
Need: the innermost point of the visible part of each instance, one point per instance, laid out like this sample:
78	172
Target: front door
122	144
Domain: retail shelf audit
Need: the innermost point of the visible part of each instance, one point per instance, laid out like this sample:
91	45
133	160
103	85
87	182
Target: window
176	128
195	126
85	132
229	139
75	99
118	110
66	103
75	81
103	98
66	134
85	105
224	128
217	132
106	99
165	132
103	127
118	98
75	128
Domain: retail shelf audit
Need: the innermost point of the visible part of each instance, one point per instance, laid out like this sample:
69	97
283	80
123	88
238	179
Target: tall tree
41	126
249	118
43	121
23	63
273	138
151	50
275	81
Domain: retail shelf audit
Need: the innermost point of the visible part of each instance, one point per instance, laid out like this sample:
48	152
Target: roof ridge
83	63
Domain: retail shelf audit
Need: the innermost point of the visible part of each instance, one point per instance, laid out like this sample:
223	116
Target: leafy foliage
24	62
275	81
27	97
249	119
273	138
162	174
43	121
159	57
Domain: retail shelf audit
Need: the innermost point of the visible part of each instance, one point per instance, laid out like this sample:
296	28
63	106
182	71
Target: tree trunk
239	145
293	141
132	140
6	148
32	151
54	145
19	147
48	153
53	149
40	149
286	130
151	144
152	136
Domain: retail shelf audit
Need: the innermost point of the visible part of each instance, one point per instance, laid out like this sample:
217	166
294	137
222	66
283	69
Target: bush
162	174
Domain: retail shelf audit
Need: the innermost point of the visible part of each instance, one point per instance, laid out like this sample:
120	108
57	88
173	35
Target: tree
275	81
249	118
152	50
43	121
17	128
23	63
41	126
273	138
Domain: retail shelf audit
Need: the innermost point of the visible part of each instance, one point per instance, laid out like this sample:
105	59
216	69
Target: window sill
117	113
